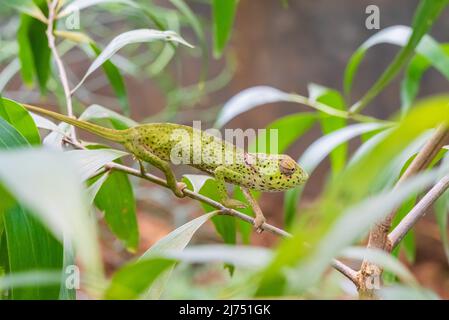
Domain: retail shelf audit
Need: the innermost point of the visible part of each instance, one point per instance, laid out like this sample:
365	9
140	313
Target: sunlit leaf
28	243
30	278
129	37
225	225
58	201
77	5
90	161
96	111
248	99
175	240
31	247
330	124
20	119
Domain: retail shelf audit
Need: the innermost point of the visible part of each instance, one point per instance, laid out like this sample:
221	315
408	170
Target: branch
337	265
378	237
52	9
417	212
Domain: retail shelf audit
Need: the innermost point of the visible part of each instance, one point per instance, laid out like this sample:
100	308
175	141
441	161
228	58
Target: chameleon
161	143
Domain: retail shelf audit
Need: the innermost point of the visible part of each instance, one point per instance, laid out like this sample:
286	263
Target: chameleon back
184	145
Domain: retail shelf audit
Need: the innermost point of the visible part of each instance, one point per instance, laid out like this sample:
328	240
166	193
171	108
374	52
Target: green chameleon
161	143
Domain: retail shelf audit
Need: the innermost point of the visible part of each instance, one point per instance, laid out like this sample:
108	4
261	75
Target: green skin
155	142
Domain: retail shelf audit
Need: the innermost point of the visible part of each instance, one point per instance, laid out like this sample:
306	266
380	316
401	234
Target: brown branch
417	212
52	11
378	237
336	264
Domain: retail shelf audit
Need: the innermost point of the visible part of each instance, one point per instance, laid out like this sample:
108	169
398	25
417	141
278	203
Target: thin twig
52	7
336	264
417	212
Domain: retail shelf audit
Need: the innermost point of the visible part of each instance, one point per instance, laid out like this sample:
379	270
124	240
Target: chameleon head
279	172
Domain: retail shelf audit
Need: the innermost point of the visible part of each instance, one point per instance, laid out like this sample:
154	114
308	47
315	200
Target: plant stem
52	7
378	237
417	212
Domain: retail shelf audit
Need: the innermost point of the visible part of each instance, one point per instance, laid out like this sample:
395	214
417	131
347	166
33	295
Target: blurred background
283	44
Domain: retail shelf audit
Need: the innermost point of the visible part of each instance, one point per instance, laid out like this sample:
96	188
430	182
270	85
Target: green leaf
34	53
432	54
77	5
175	240
225	225
31	247
115	79
93	188
28	243
223	13
132	280
134	36
58	201
426	14
116	199
10	137
256	96
248	99
334	99
20	119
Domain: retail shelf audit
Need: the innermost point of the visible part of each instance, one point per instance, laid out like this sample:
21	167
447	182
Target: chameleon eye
287	166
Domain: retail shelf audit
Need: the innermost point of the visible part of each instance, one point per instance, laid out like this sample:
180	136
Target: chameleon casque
156	143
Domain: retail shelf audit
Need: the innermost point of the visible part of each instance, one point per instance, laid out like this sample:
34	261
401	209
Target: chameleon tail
107	133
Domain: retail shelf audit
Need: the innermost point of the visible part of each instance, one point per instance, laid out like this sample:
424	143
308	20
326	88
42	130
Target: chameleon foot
233	204
258	222
143	171
179	190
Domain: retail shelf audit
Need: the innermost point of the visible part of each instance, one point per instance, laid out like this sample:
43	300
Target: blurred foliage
48	196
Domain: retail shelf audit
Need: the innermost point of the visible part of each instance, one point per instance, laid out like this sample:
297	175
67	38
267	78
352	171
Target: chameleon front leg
147	156
260	218
221	173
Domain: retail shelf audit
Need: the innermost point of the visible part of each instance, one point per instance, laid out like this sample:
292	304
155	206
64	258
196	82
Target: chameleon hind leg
221	173
147	156
259	220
